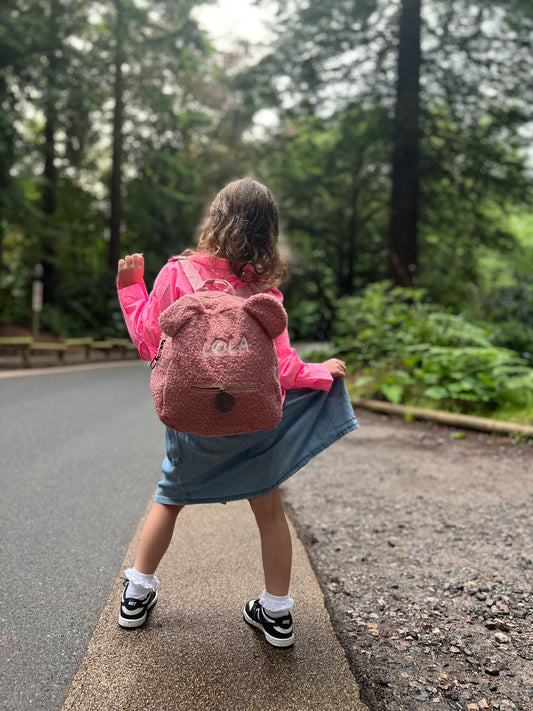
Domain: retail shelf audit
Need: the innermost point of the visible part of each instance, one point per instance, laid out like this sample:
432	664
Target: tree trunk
6	161
49	186
118	122
353	224
48	195
404	202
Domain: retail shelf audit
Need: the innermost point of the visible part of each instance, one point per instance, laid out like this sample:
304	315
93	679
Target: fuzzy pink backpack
216	372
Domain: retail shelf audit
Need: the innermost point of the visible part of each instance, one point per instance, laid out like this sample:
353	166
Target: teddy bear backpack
216	372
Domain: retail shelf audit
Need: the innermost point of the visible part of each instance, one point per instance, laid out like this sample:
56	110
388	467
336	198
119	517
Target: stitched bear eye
224	403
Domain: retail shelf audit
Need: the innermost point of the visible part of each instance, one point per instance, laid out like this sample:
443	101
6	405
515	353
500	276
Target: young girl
238	243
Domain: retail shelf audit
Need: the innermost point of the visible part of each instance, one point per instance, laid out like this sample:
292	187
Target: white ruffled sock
140	583
274	605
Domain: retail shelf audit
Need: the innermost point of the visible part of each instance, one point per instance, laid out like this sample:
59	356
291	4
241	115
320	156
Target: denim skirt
200	470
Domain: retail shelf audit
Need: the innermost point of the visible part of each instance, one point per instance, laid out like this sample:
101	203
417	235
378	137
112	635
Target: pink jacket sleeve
293	372
141	311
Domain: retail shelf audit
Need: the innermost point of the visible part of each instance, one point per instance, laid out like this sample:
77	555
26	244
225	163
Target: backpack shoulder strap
252	288
192	275
197	282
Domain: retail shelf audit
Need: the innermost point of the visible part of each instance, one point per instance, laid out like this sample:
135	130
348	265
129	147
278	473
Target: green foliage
406	350
335	110
309	298
511	310
162	207
505	297
57	96
328	165
85	298
469	179
88	307
330	177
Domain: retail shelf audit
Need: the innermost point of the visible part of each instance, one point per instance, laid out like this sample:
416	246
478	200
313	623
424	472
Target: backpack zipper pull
158	356
226	388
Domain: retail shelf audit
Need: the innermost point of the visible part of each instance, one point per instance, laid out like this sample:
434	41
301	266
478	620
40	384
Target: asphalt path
80	454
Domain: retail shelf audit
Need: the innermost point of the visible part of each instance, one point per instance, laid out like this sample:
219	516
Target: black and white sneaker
133	613
278	631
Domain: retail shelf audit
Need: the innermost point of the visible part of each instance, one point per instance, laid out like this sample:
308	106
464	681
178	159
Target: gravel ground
423	545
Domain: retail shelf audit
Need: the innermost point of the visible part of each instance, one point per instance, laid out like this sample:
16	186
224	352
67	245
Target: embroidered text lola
220	345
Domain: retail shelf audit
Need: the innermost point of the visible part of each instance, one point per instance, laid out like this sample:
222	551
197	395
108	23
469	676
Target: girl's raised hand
130	270
336	367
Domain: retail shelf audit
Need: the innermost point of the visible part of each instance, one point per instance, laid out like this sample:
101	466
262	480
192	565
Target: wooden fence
26	346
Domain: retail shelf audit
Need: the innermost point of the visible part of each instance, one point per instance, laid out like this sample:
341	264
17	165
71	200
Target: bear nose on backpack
217	370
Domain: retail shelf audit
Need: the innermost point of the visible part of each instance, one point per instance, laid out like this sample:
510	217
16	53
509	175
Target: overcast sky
228	21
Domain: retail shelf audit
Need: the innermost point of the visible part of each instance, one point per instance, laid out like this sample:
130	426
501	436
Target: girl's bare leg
276	545
155	537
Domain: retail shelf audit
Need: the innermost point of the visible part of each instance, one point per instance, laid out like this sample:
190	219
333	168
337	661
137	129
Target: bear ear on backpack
173	318
269	312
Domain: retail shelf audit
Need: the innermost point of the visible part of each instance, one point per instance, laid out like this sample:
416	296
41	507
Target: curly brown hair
243	227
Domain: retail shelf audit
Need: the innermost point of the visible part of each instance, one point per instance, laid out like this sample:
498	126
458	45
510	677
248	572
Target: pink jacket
141	312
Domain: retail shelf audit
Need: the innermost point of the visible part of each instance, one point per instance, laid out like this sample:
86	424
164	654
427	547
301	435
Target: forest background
396	135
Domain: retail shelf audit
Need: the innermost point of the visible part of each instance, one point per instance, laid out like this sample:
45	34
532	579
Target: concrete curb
195	652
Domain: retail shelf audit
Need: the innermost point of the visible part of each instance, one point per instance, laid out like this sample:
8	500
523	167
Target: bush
403	349
510	308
